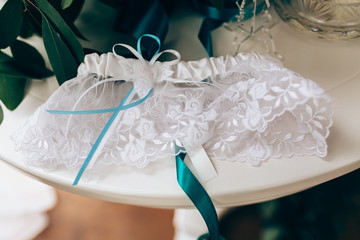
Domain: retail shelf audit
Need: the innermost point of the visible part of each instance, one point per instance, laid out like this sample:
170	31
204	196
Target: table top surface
333	65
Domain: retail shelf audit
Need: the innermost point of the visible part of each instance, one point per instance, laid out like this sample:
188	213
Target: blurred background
330	211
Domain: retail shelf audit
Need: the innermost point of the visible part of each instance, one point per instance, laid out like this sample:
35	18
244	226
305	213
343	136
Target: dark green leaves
11	90
11	16
12	83
8	67
64	50
63	29
66	3
1	115
25	53
60	57
4	57
29	61
54	20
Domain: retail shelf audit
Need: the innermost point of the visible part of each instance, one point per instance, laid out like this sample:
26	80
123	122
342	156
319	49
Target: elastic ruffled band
109	65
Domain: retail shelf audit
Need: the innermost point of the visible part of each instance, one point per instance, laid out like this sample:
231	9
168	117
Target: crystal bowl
330	19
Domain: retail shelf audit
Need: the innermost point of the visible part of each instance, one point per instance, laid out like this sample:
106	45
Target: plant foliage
63	62
66	3
11	16
51	19
1	115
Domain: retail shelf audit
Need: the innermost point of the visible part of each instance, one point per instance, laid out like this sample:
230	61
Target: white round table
334	66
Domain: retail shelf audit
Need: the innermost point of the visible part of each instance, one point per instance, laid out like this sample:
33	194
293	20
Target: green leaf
11	16
12	68
33	18
4	57
1	115
71	13
64	30
9	69
25	53
29	61
66	3
11	91
60	57
26	27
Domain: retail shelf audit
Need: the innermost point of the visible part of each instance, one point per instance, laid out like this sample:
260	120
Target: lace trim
257	110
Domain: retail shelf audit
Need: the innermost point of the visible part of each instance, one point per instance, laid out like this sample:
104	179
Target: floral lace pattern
255	111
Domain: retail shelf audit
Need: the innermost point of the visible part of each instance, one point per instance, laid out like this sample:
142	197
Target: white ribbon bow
146	74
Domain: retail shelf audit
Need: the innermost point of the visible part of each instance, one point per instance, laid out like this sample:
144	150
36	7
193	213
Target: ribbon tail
198	195
207	26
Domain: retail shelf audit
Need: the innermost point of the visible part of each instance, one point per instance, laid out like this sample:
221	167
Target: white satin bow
145	74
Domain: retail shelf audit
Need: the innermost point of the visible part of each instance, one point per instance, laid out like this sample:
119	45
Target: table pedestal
189	224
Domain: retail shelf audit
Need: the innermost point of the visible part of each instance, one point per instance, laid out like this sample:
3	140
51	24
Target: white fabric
21	195
23	227
23	205
204	168
251	110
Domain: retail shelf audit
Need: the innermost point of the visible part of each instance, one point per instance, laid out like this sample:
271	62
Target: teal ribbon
158	41
198	195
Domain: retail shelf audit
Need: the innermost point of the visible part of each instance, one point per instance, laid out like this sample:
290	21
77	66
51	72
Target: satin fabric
107	65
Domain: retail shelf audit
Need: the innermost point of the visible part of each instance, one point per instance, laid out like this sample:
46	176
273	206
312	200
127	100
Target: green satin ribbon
200	198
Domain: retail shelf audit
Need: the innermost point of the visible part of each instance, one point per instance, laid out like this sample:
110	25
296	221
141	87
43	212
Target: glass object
255	29
329	19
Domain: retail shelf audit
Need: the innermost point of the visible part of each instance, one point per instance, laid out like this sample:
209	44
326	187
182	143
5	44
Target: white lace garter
244	108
